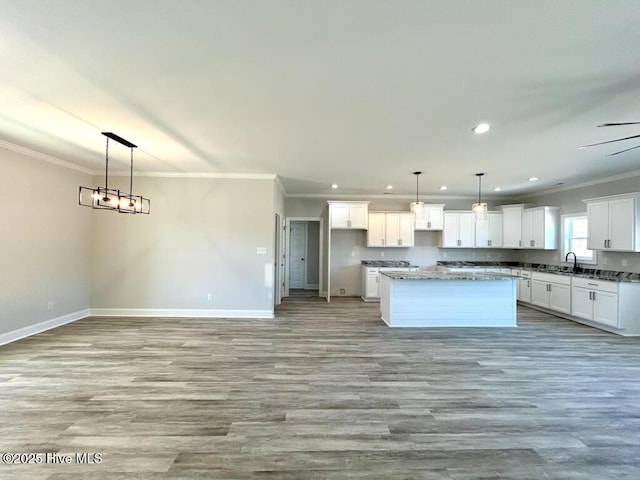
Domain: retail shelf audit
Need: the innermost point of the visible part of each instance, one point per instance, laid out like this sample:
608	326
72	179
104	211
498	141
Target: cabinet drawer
551	278
592	284
524	273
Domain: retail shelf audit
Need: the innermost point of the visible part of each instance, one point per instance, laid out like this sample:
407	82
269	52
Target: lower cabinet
371	281
524	286
595	300
551	291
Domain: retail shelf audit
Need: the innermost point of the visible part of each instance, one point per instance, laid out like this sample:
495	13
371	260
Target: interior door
297	252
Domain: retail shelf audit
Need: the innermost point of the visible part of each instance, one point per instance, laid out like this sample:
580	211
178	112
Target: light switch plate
261	250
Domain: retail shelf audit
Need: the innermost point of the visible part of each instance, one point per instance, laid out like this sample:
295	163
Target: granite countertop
593	273
388	264
432	275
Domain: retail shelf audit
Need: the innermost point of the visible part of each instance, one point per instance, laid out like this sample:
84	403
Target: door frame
305	247
320	250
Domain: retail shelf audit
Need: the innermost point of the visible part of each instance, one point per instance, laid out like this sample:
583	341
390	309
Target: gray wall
45	242
200	238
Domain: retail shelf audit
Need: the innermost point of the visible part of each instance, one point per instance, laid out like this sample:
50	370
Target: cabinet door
527	229
539	293
560	297
524	290
339	215
598	224
482	232
358	216
605	308
537	228
495	230
375	233
373	286
467	229
512	227
581	303
450	230
435	219
392	229
406	229
621	224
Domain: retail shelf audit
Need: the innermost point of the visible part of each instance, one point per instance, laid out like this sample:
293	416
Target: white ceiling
356	92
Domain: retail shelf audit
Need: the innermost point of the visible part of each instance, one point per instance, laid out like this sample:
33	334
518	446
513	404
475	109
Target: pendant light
479	209
417	207
105	198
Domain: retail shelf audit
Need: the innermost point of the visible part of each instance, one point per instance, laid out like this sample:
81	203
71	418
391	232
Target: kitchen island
445	299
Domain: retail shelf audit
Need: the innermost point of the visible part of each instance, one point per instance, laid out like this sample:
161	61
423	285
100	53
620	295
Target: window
574	238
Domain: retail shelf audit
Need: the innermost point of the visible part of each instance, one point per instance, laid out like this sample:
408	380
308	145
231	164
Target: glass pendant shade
480	209
419	212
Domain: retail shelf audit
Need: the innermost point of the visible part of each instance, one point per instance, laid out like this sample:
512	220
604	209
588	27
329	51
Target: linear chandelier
105	198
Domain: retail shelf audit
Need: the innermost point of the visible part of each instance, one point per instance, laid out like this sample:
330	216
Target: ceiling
355	92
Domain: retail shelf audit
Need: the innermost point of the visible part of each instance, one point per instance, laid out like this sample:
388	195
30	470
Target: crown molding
240	176
589	183
279	183
44	157
390	196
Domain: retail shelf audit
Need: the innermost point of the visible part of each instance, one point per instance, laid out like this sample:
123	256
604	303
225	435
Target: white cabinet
489	231
551	291
390	229
371	281
540	228
458	230
348	215
524	286
595	300
512	226
428	216
614	223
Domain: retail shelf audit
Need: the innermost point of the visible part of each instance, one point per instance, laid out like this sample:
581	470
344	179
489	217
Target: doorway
304	256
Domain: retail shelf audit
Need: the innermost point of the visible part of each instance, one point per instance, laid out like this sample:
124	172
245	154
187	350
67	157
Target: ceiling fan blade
616	124
622	151
610	141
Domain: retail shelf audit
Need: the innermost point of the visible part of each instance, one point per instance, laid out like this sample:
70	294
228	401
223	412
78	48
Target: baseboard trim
29	330
179	313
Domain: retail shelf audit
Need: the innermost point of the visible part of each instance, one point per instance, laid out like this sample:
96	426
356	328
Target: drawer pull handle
593	284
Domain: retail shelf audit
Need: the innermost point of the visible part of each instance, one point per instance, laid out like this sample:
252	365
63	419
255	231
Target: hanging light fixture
479	209
105	198
417	207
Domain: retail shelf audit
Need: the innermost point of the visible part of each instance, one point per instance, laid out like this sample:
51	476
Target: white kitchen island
445	299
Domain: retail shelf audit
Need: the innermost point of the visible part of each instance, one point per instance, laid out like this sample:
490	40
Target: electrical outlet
382	254
343	291
444	255
50	305
624	262
210	296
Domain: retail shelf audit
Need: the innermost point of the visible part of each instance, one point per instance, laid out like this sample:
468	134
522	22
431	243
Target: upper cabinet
535	227
458	231
512	226
348	215
540	228
390	229
430	217
489	231
614	223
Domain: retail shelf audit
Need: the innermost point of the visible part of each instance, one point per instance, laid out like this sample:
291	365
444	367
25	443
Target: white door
512	227
581	303
376	231
537	228
560	297
450	231
605	309
598	224
406	229
358	216
467	229
621	228
434	217
524	290
297	252
495	229
539	293
482	233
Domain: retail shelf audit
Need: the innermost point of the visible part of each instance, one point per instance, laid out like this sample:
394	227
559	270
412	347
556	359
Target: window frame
565	240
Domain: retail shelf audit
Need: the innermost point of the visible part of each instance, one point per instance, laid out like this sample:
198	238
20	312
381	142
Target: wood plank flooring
323	391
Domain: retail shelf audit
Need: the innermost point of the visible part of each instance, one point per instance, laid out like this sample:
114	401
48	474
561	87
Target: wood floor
323	391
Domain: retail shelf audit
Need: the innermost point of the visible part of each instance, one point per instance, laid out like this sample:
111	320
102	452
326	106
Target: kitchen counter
592	273
441	299
388	264
434	275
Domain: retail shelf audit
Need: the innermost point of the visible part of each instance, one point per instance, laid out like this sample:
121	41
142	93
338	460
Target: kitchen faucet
575	260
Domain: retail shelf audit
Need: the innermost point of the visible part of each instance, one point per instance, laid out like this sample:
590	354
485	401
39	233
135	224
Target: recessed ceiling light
533	179
334	186
481	128
389	187
497	189
443	187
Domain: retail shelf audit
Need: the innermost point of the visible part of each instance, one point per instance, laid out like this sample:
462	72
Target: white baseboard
42	326
311	286
179	313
